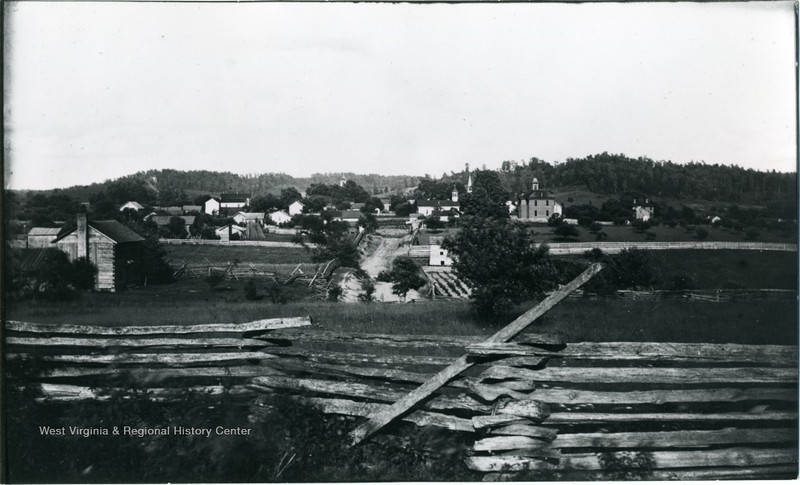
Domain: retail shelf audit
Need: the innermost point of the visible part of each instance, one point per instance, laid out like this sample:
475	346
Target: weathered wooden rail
532	408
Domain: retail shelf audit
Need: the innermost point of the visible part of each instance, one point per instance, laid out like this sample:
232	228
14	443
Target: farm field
222	255
544	233
575	319
715	269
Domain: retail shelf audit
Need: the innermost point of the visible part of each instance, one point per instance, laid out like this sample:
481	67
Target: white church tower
454	196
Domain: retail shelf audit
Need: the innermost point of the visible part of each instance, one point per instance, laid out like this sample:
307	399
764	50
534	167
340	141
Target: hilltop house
211	206
642	212
295	208
538	205
234	201
112	247
131	204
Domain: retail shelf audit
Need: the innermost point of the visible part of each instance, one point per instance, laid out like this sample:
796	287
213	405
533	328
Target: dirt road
380	259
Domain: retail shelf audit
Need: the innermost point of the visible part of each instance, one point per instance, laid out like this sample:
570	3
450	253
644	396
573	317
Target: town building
230	232
211	206
538	205
426	207
234	201
439	256
112	247
242	218
296	207
191	209
280	217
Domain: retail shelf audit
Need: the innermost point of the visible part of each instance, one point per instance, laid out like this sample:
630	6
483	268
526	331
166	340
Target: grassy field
756	322
726	269
245	254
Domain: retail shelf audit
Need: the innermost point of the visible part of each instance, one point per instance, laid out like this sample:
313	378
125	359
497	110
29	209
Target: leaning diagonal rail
382	418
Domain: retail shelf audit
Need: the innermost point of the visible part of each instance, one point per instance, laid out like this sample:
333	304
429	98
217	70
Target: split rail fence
533	408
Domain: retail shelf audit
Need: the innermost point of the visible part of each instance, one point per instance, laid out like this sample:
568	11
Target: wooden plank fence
535	407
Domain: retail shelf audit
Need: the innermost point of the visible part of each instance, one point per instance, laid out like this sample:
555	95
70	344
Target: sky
95	91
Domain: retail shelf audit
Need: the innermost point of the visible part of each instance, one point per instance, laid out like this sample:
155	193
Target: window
441	253
547	213
547	202
535	213
535	202
441	263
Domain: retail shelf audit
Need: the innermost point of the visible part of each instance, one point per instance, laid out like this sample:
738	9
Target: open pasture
222	255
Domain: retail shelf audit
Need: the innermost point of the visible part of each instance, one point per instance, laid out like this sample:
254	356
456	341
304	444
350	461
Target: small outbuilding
112	247
131	204
42	237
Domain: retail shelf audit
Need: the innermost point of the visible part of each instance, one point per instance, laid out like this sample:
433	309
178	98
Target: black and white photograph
313	242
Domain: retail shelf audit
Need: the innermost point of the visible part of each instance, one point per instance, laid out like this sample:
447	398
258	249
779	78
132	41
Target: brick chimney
83	236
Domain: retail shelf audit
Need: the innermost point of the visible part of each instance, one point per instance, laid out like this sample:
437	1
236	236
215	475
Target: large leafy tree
499	260
405	276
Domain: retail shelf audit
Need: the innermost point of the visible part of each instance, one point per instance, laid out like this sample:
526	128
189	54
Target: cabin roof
114	230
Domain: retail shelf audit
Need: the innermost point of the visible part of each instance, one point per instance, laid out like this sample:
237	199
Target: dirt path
380	259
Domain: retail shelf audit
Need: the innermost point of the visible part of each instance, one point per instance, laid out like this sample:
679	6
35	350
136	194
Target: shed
112	247
42	237
295	208
211	206
226	232
234	201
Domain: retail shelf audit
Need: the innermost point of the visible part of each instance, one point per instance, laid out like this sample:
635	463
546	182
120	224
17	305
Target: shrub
701	233
566	232
681	282
250	290
368	293
214	279
595	227
384	276
83	274
334	293
752	234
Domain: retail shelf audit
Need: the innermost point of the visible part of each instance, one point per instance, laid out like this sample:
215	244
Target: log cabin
112	247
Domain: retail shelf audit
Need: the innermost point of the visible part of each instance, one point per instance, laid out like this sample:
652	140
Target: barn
112	247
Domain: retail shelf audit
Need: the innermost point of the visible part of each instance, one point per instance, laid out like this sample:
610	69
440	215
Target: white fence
616	247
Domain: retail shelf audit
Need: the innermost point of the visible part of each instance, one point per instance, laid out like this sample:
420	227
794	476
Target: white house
211	206
439	257
642	213
429	206
295	208
225	232
234	201
280	217
243	218
131	204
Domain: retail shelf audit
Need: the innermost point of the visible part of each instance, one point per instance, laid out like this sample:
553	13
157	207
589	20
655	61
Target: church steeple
535	185
454	196
469	184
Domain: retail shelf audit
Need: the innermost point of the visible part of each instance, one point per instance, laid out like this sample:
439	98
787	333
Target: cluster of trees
331	237
405	275
504	266
616	173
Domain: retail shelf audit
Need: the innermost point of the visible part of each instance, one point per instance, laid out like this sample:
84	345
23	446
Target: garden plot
448	284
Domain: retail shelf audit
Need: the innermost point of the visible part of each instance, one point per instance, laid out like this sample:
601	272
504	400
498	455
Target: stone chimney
83	236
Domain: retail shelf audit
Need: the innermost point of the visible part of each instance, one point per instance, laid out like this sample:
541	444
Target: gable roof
44	231
250	216
351	214
297	202
234	228
234	197
537	194
133	204
114	230
279	213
